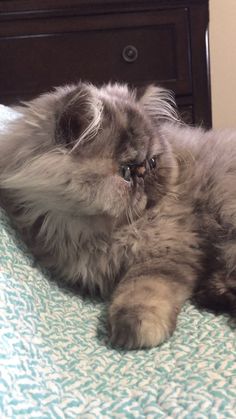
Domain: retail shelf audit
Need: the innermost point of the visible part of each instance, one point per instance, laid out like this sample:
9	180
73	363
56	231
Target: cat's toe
138	326
124	328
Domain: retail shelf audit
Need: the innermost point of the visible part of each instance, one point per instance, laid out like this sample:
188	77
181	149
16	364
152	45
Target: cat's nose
140	171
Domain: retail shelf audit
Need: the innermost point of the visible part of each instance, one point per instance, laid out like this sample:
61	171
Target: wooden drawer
53	51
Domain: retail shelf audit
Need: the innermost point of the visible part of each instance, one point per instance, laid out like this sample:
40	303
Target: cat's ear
158	103
79	117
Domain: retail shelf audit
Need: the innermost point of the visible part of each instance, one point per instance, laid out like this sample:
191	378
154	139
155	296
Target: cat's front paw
140	326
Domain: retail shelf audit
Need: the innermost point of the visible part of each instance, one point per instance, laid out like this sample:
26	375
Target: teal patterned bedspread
56	362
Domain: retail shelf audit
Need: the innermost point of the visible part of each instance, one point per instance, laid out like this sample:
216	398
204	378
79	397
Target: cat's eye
152	163
126	173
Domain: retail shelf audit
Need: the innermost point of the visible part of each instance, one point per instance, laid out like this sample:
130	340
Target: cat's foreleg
144	310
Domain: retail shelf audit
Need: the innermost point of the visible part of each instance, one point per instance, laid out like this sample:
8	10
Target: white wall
223	62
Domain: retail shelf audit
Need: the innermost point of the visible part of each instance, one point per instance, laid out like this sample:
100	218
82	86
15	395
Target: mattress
56	360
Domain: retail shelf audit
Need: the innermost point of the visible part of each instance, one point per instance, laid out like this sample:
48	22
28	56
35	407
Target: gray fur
166	235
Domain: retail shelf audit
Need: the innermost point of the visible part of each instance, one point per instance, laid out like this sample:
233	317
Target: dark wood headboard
54	42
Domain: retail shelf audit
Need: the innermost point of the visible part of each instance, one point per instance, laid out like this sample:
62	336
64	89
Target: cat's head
112	134
98	150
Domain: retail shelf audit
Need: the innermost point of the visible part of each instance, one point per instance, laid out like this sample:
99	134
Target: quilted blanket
56	362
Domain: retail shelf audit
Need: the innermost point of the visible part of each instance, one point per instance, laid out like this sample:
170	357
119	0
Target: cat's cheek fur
114	196
120	199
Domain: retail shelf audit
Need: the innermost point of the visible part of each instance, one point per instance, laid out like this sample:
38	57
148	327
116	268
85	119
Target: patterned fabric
56	362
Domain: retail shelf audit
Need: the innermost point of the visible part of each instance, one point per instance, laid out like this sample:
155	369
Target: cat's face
113	142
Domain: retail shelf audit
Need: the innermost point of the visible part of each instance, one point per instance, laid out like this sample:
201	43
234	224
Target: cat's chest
166	226
86	262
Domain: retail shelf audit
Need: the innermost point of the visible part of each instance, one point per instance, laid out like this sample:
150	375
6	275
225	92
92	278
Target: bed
56	361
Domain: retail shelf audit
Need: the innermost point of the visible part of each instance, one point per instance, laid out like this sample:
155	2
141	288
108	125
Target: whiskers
131	221
130	213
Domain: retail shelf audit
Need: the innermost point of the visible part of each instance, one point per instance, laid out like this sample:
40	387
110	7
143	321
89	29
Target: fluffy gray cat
109	190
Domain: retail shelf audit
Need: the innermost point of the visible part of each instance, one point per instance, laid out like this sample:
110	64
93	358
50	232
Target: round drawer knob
130	53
